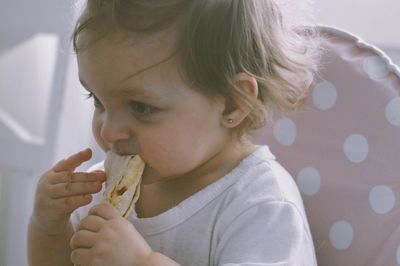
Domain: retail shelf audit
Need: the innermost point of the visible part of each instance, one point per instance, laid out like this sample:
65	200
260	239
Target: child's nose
114	129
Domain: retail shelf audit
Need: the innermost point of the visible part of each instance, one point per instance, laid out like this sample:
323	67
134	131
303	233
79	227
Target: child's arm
59	192
49	250
105	238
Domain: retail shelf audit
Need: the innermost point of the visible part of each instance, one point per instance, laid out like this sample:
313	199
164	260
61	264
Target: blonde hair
218	39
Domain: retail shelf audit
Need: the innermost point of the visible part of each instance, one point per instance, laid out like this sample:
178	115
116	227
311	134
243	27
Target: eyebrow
136	91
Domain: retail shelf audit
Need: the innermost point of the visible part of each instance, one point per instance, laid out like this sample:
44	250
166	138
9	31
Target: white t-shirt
252	216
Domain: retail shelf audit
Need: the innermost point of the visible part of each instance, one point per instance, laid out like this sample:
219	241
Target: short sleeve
269	233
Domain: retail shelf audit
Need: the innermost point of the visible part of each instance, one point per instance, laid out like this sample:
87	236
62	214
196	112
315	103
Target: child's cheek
169	162
96	129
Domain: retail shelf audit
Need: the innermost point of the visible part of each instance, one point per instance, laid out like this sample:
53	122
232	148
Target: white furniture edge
392	67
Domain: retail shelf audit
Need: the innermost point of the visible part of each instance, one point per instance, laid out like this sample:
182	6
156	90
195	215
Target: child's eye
143	109
96	102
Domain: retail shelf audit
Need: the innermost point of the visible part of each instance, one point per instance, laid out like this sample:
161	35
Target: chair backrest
343	150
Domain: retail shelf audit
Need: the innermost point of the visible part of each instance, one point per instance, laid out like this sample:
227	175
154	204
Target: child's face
152	113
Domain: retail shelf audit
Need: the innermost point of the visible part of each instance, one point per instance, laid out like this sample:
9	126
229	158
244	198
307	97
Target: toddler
182	83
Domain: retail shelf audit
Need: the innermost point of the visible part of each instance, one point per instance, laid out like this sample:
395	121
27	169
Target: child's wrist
49	231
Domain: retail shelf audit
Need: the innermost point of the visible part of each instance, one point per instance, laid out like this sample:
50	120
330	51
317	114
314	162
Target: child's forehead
132	52
141	44
116	66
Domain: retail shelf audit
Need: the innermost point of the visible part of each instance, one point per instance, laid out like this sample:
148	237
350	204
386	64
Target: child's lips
125	150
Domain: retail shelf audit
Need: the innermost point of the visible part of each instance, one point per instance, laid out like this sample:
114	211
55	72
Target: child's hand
105	238
60	191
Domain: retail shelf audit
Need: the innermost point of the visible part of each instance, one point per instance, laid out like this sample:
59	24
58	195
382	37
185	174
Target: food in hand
124	174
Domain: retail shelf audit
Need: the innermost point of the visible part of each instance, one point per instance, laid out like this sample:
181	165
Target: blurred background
44	115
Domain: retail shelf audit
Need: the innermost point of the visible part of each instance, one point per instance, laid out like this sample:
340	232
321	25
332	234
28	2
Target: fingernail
85	150
101	175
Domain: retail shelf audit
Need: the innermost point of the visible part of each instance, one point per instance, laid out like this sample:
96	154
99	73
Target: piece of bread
124	174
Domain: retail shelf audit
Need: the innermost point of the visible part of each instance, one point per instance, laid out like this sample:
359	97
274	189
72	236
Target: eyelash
143	109
138	108
96	102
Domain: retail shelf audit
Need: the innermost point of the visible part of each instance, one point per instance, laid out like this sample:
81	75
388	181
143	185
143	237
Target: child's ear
233	115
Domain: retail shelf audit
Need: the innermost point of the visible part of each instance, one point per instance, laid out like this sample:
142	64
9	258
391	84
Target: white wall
75	127
376	21
26	72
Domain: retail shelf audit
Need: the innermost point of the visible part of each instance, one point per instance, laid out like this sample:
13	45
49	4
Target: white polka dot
393	112
356	148
285	131
341	235
309	181
324	95
375	67
398	255
382	199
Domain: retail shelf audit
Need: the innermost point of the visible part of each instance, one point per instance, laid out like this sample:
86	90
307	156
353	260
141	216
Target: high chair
343	150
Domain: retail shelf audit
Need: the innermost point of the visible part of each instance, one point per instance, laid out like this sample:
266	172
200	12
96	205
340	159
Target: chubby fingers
86	236
66	185
105	211
73	161
69	177
67	205
83	239
91	223
64	191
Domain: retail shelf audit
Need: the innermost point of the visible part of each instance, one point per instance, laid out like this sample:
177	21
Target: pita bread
124	174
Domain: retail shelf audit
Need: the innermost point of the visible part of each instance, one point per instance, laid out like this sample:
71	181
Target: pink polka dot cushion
343	151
